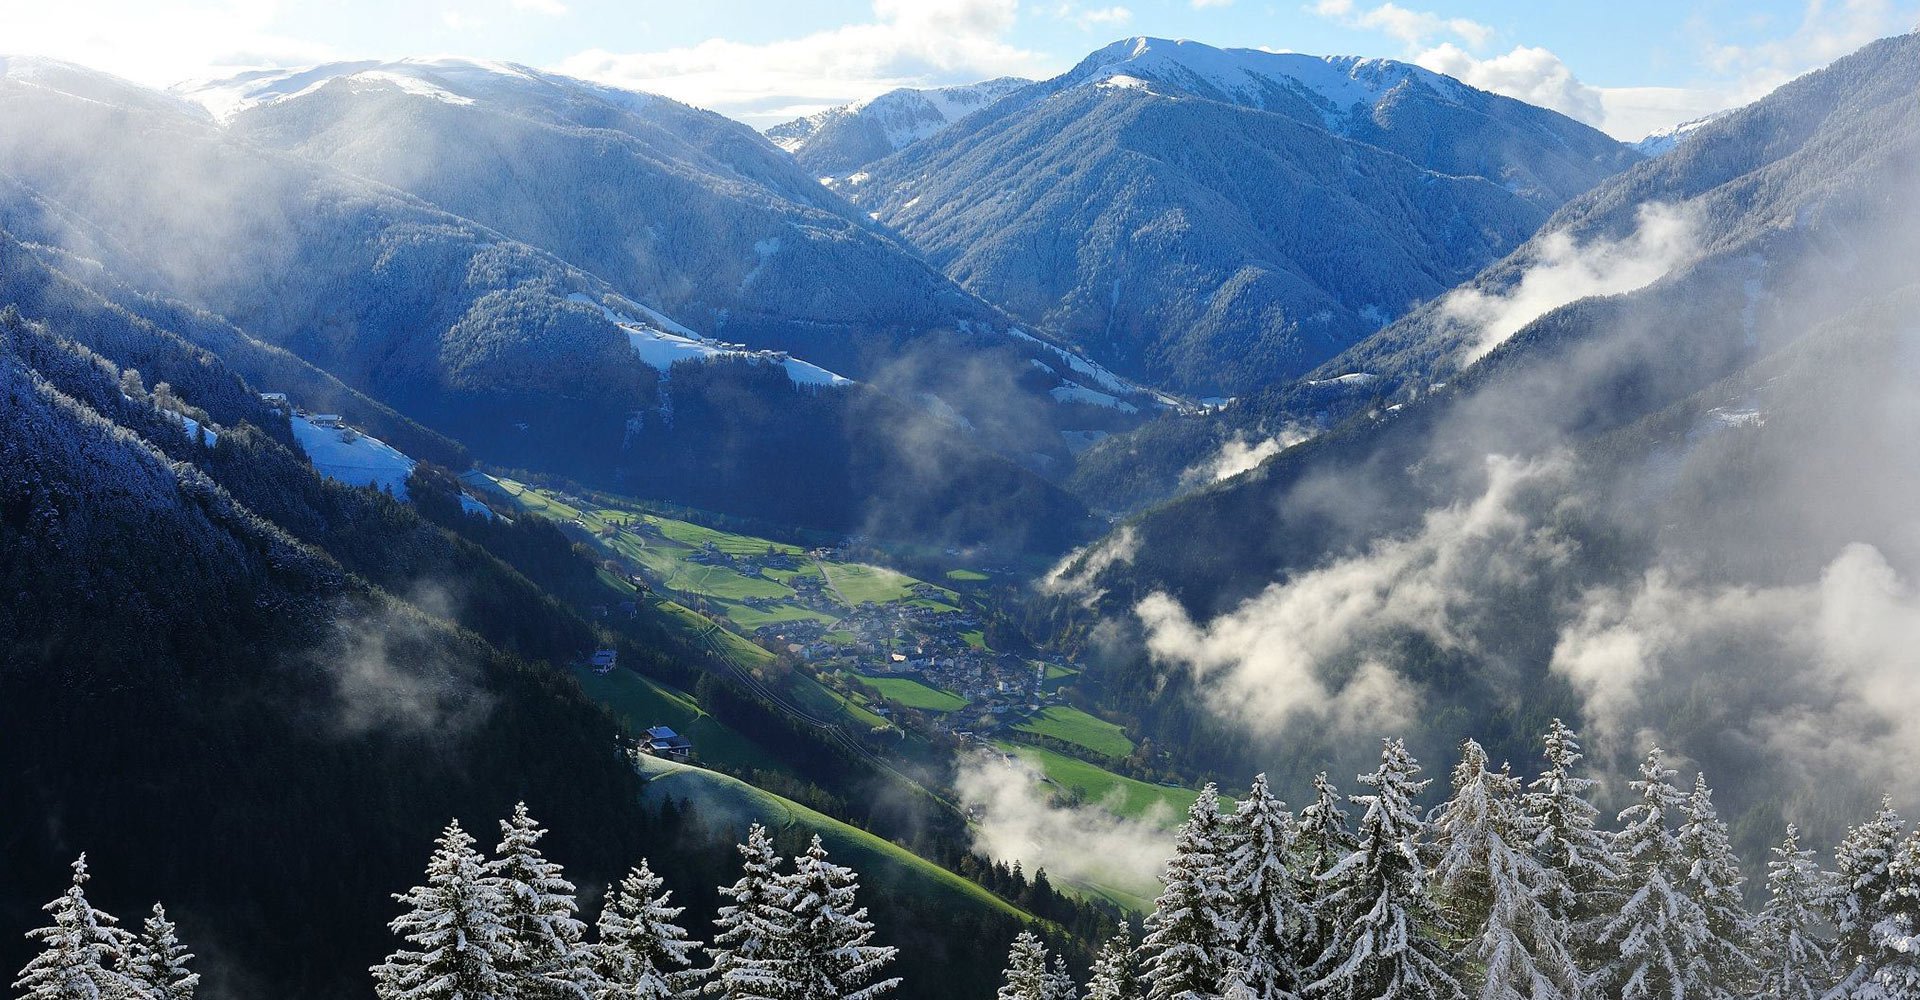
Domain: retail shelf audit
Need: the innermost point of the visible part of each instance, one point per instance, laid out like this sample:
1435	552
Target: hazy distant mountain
1663	140
839	141
526	358
689	212
1211	219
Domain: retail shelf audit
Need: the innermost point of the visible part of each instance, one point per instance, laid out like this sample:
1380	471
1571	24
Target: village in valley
909	652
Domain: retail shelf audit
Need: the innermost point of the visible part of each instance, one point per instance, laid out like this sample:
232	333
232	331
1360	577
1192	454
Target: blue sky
1624	65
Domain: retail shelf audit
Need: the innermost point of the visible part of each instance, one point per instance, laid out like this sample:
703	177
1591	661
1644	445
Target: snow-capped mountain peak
847	137
1663	140
450	79
1250	77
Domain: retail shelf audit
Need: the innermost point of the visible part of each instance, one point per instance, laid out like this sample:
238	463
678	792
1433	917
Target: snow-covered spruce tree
453	925
1270	909
1575	855
750	925
1794	963
1236	988
158	961
1892	967
1386	949
1113	977
1060	984
1026	977
828	954
1713	882
1656	934
1863	884
1492	889
539	912
641	953
1189	942
83	953
1323	840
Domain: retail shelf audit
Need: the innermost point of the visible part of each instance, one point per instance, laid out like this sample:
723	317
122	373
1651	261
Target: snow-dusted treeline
508	928
86	955
1509	890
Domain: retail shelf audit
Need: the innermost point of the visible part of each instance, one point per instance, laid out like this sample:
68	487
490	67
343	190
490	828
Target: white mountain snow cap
87	84
1663	140
449	79
1246	76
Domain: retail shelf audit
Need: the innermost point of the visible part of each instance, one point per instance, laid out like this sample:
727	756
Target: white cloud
1019	820
1205	4
1238	455
1101	16
1821	674
157	44
1563	271
1827	31
907	43
1307	647
1077	572
1633	113
551	8
1538	76
1533	75
1411	27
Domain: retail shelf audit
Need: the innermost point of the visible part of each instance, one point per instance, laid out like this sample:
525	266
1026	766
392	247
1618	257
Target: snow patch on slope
1073	393
662	343
344	454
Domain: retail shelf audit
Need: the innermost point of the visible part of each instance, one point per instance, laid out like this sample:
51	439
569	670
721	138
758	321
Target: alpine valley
473	532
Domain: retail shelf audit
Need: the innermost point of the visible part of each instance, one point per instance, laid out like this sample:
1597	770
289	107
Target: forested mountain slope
839	141
208	682
522	357
1212	219
682	209
1494	501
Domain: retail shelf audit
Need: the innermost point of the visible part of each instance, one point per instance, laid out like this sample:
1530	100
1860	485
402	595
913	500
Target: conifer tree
1060	984
1896	938
1575	856
1493	888
1864	880
827	953
1112	977
1236	988
1324	839
158	961
83	953
540	915
453	923
1189	943
1269	907
641	954
1385	949
1712	882
1026	976
751	925
1657	931
1794	963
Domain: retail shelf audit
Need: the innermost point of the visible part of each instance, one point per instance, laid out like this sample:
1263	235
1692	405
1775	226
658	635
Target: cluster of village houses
928	645
925	641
